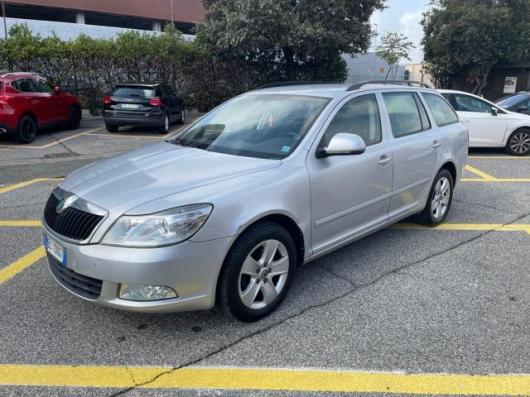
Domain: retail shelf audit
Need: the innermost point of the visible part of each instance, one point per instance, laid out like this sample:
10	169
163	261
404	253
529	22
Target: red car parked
29	103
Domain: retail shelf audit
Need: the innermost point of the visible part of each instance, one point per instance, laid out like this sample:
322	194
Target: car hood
124	182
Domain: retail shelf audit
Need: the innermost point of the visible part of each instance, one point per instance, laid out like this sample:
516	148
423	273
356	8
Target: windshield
262	126
145	92
513	100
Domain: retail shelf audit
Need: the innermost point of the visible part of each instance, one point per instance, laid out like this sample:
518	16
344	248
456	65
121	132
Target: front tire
27	130
257	272
519	143
74	120
439	200
111	127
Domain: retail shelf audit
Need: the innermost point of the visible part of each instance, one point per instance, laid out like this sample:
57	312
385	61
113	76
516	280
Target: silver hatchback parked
224	212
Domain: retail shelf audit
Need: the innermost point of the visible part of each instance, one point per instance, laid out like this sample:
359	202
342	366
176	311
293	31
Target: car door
173	103
416	148
51	104
486	127
350	194
32	100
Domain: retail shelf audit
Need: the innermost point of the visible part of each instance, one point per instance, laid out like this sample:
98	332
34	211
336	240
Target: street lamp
4	17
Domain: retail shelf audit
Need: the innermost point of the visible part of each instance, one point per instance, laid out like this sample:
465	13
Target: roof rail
289	83
18	74
408	83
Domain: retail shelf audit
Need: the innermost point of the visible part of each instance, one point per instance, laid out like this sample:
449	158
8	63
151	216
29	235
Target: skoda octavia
224	212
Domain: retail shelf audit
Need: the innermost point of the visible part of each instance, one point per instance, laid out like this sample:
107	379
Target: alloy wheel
263	274
166	123
28	130
520	142
441	198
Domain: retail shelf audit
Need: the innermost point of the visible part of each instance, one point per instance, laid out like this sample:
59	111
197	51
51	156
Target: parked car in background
489	124
225	211
519	103
143	104
28	103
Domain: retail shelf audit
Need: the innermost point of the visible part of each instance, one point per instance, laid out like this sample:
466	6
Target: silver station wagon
224	212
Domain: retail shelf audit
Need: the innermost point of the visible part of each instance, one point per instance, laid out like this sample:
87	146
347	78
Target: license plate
55	250
129	106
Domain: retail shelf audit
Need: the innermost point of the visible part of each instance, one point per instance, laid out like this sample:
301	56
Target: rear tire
111	127
519	143
27	130
74	120
439	200
164	128
257	272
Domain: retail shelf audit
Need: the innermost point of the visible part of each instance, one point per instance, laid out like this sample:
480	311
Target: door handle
436	144
384	159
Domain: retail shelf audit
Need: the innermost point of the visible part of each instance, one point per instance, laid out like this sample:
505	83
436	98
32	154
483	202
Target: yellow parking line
20	185
27	260
462	227
497	180
479	173
27	223
48	145
268	379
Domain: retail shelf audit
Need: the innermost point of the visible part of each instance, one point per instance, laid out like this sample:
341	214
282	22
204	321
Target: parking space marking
479	173
466	227
18	223
51	144
20	185
26	261
269	379
485	177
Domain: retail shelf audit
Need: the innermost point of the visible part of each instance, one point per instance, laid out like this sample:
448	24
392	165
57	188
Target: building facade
102	18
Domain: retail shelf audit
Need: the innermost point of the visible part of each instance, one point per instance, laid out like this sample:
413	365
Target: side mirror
57	89
343	144
494	111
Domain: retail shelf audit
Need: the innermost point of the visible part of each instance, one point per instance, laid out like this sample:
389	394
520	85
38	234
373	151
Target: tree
393	48
288	39
470	37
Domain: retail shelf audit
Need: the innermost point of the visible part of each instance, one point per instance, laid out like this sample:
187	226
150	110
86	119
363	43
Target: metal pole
5	21
172	19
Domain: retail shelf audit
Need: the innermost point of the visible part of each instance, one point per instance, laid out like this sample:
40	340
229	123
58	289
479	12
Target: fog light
146	292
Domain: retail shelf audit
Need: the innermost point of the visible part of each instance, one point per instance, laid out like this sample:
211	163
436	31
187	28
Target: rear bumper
153	119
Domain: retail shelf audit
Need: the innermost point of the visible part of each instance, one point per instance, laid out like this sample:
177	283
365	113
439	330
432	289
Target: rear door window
24	85
442	112
404	112
134	91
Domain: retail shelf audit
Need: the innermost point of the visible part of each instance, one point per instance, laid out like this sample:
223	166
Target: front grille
84	286
72	223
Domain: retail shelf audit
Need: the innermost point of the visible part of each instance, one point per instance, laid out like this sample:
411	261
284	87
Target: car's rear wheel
164	128
27	130
74	120
257	272
111	127
439	200
519	143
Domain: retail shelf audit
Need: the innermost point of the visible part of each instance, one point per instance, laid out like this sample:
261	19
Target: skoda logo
65	203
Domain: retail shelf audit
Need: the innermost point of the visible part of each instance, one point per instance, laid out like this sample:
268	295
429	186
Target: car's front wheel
27	130
519	143
74	119
111	127
439	200
257	272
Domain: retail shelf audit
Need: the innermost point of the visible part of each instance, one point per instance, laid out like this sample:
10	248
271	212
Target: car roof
332	90
151	84
10	76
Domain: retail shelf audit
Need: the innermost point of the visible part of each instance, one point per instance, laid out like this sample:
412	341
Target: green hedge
90	67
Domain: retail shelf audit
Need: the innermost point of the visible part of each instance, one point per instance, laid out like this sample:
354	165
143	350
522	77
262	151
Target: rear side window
134	91
360	116
404	113
24	85
443	113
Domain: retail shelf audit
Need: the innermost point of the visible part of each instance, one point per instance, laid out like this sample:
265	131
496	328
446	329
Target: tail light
155	102
107	100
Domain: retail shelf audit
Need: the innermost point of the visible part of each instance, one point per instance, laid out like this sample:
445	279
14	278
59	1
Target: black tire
182	118
27	130
74	120
428	215
228	293
519	143
166	122
111	127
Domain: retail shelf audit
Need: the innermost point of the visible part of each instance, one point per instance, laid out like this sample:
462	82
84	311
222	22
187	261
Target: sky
402	16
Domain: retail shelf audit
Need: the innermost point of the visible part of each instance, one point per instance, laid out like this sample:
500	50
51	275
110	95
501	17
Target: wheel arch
30	114
451	167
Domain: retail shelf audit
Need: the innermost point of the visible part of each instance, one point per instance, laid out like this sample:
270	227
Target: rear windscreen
123	91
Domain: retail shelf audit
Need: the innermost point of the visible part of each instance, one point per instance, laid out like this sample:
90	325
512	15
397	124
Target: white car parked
490	125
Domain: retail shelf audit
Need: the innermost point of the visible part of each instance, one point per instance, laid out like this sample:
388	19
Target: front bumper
150	119
190	268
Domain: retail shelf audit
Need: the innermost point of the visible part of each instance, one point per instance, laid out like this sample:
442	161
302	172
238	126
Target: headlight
163	228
